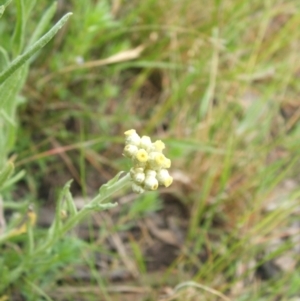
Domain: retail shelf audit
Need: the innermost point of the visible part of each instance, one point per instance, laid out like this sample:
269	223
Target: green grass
213	82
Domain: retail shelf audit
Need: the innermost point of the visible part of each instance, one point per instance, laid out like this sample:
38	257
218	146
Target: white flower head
149	163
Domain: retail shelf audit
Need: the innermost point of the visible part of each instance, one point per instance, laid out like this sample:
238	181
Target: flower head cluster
149	163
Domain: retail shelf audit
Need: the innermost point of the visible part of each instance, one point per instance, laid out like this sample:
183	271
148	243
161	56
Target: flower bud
166	163
130	132
63	214
164	178
168	181
156	160
150	183
158	146
132	137
161	175
138	177
130	150
135	170
145	143
150	173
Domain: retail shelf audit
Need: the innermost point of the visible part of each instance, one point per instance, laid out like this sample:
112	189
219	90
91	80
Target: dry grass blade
128	292
202	287
122	56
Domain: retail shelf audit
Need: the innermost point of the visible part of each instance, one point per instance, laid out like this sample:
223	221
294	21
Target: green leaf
56	226
63	194
13	180
71	207
15	273
10	89
6	172
8	105
100	207
7	3
4	273
19	33
4	59
7	118
105	189
22	59
29	5
44	22
2	9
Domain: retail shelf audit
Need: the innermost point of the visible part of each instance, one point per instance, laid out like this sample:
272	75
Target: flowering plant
21	245
149	170
18	262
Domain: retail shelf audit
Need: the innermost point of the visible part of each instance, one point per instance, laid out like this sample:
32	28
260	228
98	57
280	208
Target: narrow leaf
104	189
10	89
2	9
19	33
22	59
8	103
72	209
44	22
4	59
30	4
101	207
57	223
13	180
7	118
7	3
6	172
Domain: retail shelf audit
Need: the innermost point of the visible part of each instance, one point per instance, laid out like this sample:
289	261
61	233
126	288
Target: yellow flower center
142	155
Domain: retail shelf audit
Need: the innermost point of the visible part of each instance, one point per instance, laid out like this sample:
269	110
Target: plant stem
74	220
